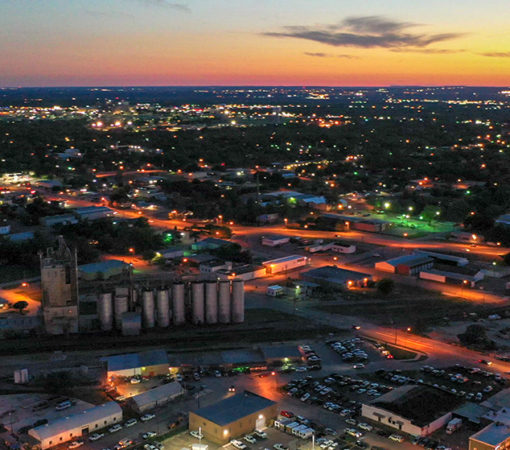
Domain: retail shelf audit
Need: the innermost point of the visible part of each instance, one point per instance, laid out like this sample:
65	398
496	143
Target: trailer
275	240
275	291
285	264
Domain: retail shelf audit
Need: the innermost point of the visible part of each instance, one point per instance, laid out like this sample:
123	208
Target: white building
285	264
343	247
415	410
156	397
77	425
274	240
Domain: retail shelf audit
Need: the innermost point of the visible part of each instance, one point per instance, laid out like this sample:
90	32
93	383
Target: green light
387	205
355	173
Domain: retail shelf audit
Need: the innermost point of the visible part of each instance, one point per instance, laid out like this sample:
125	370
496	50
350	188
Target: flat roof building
492	437
336	277
152	362
158	396
405	265
102	270
233	417
416	410
77	425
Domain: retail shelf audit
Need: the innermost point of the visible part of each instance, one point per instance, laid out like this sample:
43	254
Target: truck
453	425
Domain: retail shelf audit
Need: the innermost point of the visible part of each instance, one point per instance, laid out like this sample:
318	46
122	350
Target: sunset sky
254	42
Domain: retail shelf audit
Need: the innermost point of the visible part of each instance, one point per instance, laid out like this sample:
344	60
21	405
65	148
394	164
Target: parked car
288	414
147	417
250	439
130	422
238	444
396	438
115	428
95	436
196	434
76	444
149	434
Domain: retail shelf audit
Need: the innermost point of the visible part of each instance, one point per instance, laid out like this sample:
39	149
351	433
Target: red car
288	414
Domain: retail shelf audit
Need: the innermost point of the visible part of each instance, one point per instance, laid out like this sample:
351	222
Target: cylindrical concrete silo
238	301
163	313
197	303
148	309
224	302
178	309
121	306
211	302
105	311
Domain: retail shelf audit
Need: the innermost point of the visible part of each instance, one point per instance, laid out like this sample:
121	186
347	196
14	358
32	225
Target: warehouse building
405	265
233	417
158	396
77	425
466	276
102	270
495	436
93	212
415	410
335	277
274	240
150	363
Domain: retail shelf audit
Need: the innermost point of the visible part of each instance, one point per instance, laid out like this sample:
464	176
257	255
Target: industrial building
233	417
416	410
198	302
274	240
343	247
151	363
495	436
77	425
93	212
59	283
444	258
335	277
462	275
284	264
406	265
158	396
102	270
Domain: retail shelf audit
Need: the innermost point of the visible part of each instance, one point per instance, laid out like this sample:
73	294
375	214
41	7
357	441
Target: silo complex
197	303
178	308
148	309
105	311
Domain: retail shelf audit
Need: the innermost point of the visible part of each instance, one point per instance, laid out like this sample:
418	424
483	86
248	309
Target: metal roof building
76	425
156	397
144	363
233	416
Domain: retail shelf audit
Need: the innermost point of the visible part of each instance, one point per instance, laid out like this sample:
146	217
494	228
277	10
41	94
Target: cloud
166	4
328	55
496	54
428	51
108	14
365	32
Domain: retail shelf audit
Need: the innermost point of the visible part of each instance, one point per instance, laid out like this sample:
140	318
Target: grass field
11	273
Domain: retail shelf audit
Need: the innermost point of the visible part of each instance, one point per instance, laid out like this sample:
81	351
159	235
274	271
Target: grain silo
105	311
121	306
178	309
197	303
163	308
238	301
148	309
211	302
224	302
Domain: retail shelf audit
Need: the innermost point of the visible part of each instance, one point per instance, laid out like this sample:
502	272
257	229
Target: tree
385	286
506	259
475	335
21	305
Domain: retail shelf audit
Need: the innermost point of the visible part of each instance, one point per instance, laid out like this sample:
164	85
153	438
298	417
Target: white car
115	428
260	434
396	438
63	405
130	422
196	434
95	436
238	444
355	433
147	417
279	447
358	366
149	434
250	439
301	369
365	426
135	380
76	444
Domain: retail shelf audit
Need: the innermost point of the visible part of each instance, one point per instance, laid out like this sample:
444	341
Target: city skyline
193	43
